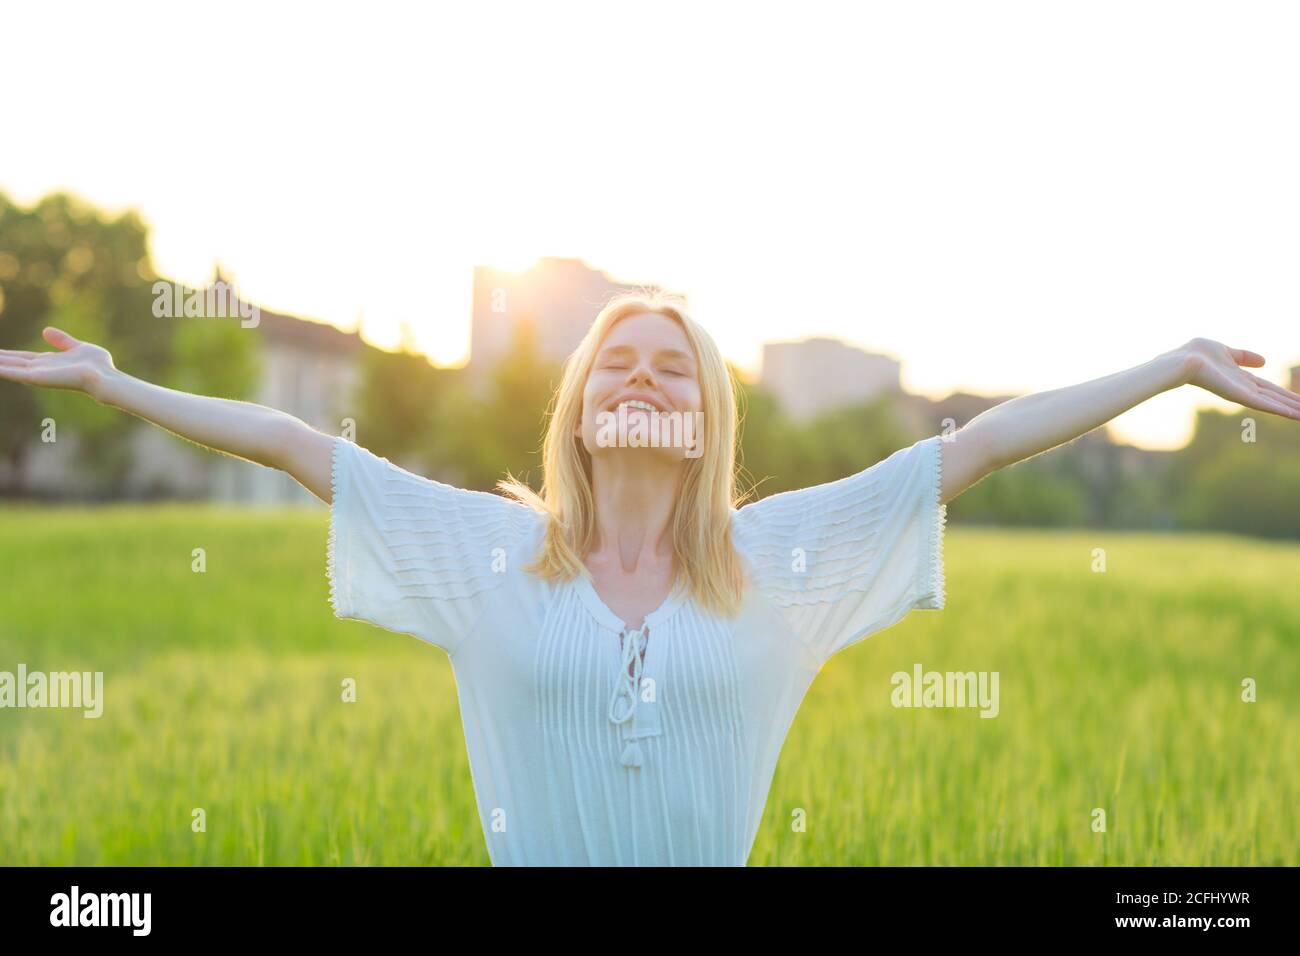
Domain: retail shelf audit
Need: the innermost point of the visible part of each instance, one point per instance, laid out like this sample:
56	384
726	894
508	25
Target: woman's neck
634	501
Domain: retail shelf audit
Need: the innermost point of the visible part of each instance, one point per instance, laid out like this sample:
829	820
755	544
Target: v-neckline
602	612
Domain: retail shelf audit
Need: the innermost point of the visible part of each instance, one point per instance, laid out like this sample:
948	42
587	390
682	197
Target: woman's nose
640	373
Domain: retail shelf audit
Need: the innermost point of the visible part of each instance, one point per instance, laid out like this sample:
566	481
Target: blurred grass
1119	690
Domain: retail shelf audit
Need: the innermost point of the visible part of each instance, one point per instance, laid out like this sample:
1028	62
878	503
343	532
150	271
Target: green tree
1029	493
770	447
503	430
402	401
1240	477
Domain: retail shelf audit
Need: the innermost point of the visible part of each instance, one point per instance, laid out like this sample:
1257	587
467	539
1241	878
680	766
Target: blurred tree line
64	263
1222	480
1239	473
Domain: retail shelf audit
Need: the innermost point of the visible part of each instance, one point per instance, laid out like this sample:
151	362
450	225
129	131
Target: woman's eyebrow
677	353
661	353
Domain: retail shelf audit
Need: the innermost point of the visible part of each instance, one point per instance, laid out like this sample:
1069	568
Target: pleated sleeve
414	555
845	559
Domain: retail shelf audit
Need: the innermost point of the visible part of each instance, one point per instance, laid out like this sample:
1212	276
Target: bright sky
1007	196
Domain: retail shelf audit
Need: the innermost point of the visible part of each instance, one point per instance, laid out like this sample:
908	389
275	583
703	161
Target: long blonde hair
706	559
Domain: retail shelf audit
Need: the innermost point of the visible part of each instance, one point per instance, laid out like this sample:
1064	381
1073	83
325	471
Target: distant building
310	370
819	374
558	298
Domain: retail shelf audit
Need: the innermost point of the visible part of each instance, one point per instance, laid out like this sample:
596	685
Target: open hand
76	365
1216	368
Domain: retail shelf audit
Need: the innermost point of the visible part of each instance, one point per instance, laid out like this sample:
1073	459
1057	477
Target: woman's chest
554	661
678	670
576	672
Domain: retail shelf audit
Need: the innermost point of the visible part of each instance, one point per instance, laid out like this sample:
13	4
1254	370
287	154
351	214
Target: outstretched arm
242	429
1026	426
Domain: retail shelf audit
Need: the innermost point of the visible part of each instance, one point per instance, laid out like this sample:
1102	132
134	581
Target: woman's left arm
1031	424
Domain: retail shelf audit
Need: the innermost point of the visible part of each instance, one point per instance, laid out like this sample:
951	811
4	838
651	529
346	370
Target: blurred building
818	374
310	370
556	299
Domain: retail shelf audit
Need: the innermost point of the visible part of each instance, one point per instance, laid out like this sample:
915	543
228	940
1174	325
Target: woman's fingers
17	353
59	339
1240	387
1277	391
1264	403
1251	391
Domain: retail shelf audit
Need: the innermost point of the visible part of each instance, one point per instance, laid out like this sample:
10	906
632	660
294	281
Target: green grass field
1119	690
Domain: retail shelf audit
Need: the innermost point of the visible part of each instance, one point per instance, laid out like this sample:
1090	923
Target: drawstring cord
628	686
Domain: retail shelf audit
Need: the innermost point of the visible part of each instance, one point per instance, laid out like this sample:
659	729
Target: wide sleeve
845	559
414	555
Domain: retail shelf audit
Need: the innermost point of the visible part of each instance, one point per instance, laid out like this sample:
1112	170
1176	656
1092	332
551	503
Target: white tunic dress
582	751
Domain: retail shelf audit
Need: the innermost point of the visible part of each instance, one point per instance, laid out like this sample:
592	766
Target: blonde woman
629	646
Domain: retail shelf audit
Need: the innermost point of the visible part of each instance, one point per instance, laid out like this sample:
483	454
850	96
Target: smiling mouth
635	404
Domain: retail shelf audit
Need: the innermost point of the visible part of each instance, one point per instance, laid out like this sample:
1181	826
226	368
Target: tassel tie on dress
627	686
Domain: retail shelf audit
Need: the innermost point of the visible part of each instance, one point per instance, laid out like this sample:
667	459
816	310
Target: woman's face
645	358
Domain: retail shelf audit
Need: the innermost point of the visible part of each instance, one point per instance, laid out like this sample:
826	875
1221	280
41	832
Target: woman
630	648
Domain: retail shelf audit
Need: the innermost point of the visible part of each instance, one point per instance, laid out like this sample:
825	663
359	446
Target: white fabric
570	764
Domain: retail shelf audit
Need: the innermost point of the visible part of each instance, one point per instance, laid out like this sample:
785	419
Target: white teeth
637	403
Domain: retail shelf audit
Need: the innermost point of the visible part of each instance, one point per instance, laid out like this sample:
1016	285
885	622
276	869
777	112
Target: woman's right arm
242	429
